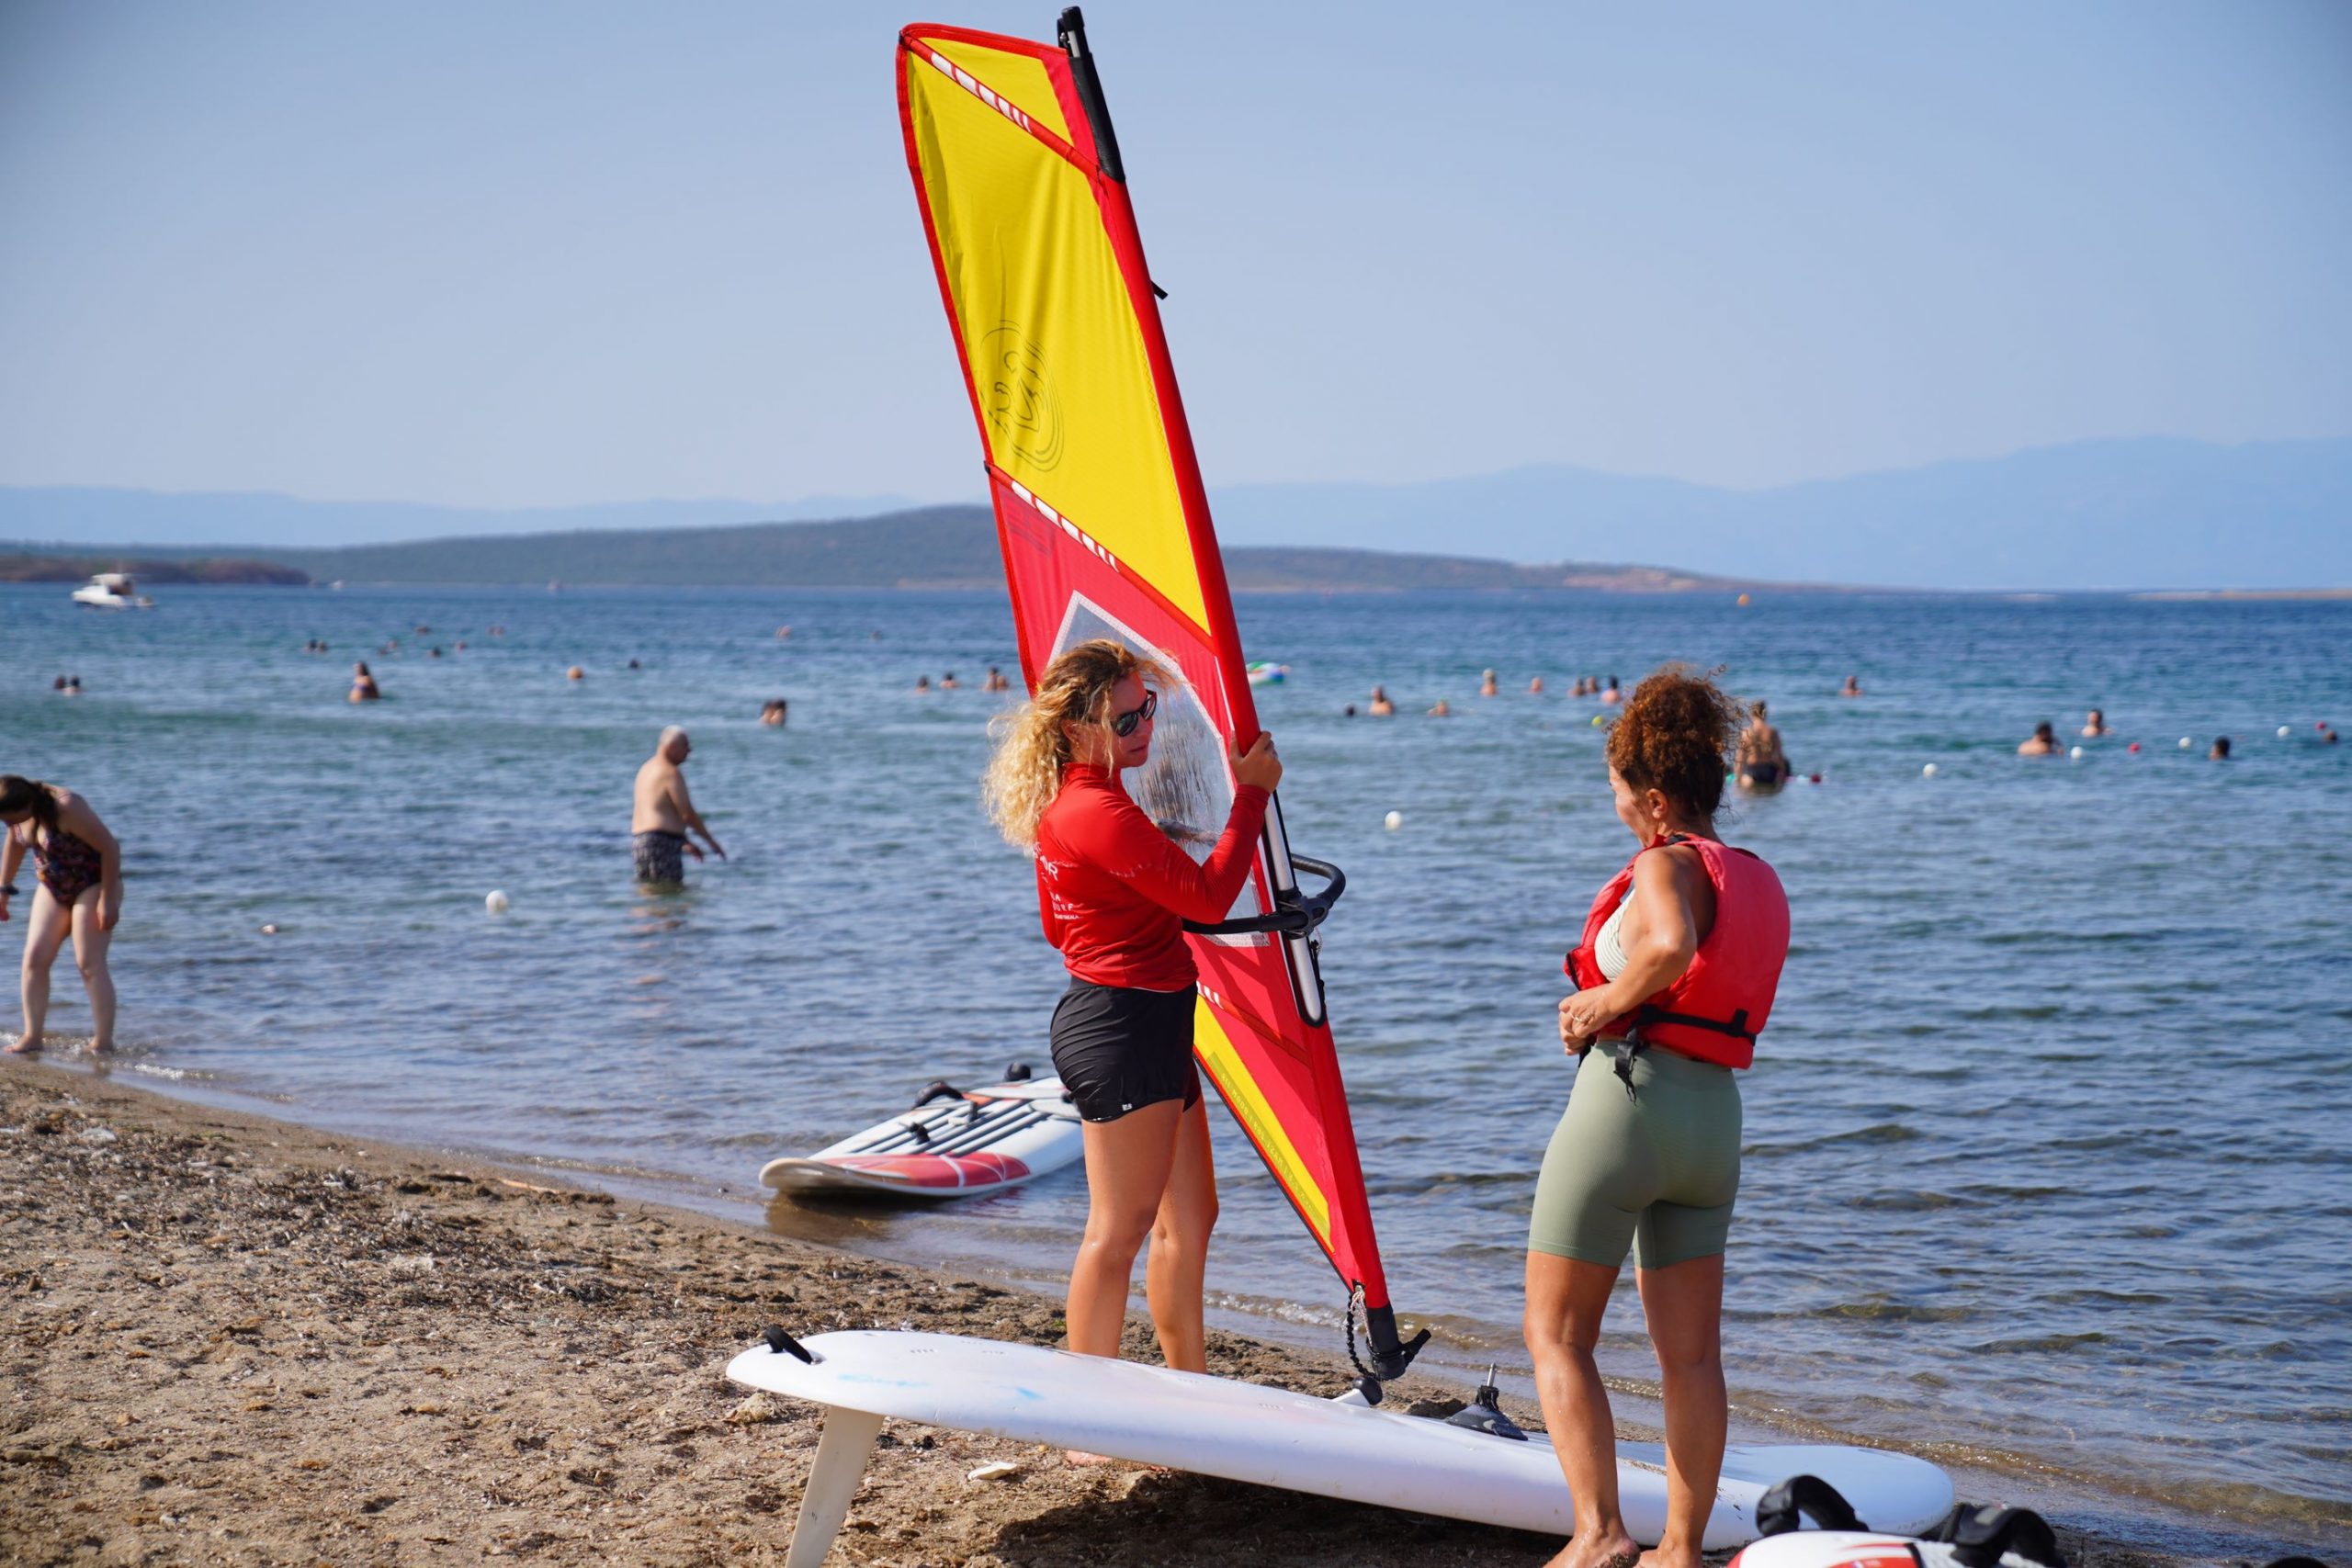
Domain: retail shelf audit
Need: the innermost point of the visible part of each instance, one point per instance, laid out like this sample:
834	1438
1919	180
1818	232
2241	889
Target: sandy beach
235	1340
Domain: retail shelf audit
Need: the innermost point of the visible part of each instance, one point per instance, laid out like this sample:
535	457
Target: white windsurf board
1246	1432
960	1146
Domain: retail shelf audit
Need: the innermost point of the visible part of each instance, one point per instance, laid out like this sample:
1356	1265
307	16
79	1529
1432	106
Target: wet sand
235	1340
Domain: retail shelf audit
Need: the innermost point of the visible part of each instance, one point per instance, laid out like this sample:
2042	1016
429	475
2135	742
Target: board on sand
952	1144
1245	1432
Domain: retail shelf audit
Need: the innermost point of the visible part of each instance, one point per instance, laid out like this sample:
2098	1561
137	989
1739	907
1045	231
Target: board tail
1105	531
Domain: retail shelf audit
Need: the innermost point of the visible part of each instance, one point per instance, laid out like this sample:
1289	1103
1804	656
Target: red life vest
1715	1011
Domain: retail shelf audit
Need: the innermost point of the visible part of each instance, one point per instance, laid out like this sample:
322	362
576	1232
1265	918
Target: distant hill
2096	514
146	571
942	547
69	516
2152	514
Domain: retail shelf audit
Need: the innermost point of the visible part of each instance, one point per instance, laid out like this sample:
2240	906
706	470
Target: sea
2048	1163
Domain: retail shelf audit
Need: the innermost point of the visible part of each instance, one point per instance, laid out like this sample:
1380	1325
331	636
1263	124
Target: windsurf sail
1105	532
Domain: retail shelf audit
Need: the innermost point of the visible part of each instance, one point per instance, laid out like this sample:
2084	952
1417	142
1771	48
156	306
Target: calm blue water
2050	1144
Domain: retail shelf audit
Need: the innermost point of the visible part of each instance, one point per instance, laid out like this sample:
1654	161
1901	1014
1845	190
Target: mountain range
2140	514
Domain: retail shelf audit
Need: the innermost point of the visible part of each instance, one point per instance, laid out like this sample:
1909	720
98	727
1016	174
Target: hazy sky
535	253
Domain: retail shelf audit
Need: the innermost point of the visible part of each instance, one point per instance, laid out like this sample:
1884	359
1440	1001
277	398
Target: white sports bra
1608	947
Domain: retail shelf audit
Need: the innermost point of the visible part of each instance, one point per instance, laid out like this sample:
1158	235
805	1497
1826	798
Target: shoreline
234	1336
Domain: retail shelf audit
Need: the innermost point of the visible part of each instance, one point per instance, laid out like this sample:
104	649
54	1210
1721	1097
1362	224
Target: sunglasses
1124	724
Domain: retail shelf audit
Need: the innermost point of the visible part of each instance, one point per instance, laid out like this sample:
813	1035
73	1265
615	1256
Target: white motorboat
112	590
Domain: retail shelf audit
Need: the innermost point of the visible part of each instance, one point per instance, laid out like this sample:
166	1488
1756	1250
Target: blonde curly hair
1032	743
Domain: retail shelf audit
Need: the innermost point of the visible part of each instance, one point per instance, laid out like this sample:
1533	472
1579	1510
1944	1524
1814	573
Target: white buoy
1928	772
2076	753
2185	742
1393	822
2284	731
269	930
496	902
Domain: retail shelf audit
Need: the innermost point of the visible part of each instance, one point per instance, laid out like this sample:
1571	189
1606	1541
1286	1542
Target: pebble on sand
757	1410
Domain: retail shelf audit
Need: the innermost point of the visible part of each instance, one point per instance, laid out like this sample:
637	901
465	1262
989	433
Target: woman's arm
1120	840
10	859
1662	937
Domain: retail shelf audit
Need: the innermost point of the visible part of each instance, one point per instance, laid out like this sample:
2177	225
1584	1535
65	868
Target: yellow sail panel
1058	362
1019	78
1241	1096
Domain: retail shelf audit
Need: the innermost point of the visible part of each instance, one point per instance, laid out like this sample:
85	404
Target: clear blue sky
534	253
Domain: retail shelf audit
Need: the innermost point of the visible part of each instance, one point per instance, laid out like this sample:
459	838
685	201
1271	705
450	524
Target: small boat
112	590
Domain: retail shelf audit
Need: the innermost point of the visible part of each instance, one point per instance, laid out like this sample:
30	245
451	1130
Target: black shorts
1119	1049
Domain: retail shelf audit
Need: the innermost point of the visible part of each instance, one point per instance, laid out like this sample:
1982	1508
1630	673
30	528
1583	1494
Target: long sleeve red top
1113	890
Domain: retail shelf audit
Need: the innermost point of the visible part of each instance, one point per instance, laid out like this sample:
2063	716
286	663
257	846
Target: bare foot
1659	1557
25	1045
1618	1551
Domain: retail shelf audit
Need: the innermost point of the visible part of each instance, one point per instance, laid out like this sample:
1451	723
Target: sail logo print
1022	408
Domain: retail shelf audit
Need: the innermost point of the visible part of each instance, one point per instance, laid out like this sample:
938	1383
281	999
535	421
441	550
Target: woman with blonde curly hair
1113	892
1675	974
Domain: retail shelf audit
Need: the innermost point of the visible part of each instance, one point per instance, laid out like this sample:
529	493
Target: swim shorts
1655	1168
1119	1048
1764	776
661	857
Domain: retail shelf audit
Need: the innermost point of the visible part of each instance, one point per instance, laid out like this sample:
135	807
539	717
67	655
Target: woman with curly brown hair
1674	974
1115	892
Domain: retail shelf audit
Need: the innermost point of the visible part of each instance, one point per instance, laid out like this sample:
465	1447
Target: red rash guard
1115	891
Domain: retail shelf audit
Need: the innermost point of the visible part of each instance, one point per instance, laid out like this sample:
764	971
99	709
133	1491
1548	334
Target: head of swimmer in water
1667	754
1085	698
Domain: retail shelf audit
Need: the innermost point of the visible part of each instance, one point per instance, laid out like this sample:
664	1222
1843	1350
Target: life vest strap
1738	1028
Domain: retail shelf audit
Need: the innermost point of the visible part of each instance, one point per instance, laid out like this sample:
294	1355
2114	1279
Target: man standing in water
665	814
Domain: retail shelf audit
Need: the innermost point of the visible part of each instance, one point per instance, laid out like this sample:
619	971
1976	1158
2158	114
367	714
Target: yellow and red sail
1106	532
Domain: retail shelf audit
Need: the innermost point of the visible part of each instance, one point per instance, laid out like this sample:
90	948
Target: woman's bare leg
1127	1163
1179	1246
1566	1299
1684	1304
90	944
44	934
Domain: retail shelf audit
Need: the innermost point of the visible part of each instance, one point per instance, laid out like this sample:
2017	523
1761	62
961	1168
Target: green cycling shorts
1655	1171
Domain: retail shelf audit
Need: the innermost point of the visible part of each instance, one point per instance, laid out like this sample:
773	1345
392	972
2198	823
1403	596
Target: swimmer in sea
996	681
2221	751
2095	726
1535	687
772	712
664	814
78	891
1381	707
1488	687
1760	759
2044	742
362	684
1443	709
923	683
1853	688
947	681
1612	694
